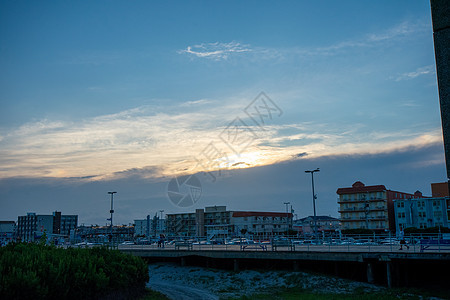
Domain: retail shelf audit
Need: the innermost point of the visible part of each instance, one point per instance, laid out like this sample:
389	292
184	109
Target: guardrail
331	243
413	248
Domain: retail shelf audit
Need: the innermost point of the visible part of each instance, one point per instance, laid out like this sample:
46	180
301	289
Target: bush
38	271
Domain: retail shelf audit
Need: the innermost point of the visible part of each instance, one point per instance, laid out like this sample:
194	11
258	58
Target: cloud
222	51
197	102
169	143
216	51
418	72
400	30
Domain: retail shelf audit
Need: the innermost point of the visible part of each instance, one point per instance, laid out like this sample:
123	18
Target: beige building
217	221
369	207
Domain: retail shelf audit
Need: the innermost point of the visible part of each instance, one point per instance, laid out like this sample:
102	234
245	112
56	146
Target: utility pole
111	211
287	217
314	200
161	221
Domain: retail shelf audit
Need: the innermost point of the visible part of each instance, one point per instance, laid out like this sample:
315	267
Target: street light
287	217
160	221
314	199
111	211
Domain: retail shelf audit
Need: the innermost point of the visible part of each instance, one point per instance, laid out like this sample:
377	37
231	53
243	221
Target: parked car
128	243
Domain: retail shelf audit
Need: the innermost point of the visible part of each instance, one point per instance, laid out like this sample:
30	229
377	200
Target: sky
228	101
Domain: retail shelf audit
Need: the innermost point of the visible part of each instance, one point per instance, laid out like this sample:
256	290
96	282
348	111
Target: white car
127	243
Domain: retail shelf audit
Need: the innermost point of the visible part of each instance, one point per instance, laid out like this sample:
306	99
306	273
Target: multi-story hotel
217	221
369	207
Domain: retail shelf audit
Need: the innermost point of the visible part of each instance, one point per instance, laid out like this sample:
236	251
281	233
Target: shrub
38	271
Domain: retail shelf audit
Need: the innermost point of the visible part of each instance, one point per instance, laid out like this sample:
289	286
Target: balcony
361	200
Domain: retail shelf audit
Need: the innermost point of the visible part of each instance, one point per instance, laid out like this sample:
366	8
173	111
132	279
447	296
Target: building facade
439	189
218	222
7	232
261	224
140	228
421	212
32	226
327	224
63	224
150	226
369	207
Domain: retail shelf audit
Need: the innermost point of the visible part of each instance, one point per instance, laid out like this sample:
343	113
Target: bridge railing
345	243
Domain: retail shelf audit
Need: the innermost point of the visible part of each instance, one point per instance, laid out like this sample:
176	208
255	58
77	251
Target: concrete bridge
393	269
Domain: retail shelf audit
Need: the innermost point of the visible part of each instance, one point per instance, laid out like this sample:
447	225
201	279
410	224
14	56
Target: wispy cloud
222	51
418	72
402	29
216	51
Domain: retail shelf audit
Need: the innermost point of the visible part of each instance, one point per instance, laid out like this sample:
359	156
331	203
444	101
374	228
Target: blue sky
93	94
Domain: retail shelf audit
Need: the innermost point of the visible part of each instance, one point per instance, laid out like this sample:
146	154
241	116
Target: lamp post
314	199
111	211
161	221
287	217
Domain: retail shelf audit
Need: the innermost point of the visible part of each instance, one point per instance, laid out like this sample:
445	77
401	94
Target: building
439	189
104	234
63	224
369	207
32	226
424	212
140	228
261	224
218	222
214	220
325	224
421	213
7	231
150	227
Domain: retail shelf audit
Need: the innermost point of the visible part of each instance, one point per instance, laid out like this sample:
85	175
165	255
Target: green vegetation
37	271
153	295
298	293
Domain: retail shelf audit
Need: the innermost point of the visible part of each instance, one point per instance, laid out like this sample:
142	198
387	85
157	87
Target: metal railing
415	243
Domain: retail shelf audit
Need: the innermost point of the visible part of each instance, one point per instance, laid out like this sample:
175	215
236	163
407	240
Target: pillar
235	265
369	273
440	12
295	266
389	274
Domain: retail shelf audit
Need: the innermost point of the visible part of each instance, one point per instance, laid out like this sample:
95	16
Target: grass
296	293
299	293
153	295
